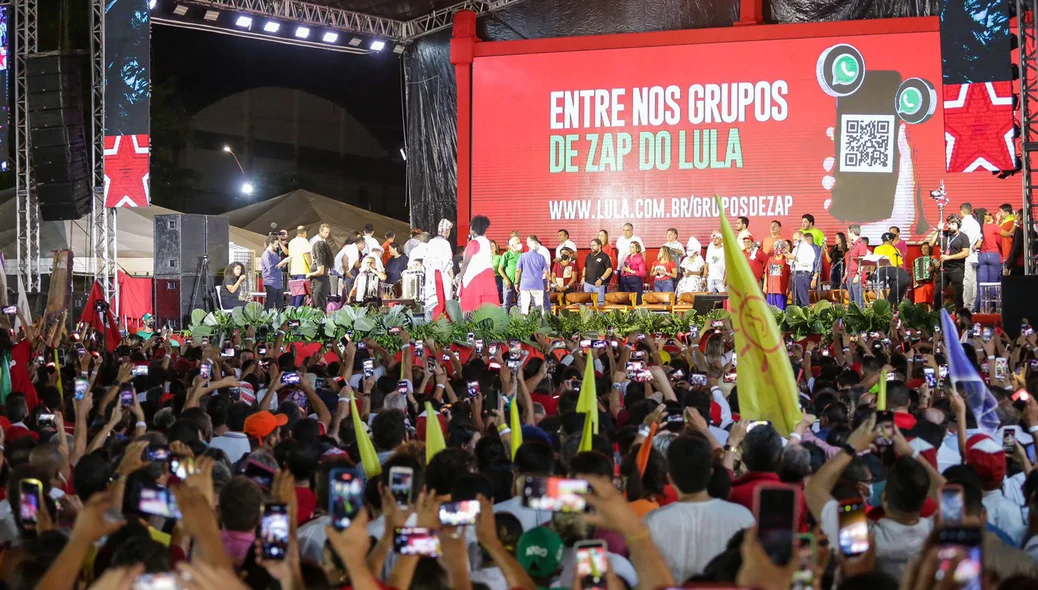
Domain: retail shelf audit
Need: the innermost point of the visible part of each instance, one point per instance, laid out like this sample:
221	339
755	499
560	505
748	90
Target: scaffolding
28	211
1026	37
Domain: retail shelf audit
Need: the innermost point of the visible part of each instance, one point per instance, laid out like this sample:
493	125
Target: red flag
98	321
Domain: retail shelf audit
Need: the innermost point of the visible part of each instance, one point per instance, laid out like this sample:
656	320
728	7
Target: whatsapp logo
845	70
840	70
915	101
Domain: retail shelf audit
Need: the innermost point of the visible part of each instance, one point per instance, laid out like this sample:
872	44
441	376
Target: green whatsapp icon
915	101
845	70
910	102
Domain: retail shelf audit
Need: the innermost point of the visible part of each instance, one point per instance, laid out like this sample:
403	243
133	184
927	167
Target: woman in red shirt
777	276
989	269
664	271
633	273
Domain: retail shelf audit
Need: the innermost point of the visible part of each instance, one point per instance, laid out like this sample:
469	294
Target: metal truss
1026	36
102	219
28	210
438	20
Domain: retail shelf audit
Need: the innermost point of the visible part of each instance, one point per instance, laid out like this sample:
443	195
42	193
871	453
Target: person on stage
506	270
803	265
532	277
952	266
777	281
742	229
716	269
989	257
664	271
674	244
234	278
564	273
852	264
774	235
922	274
633	271
754	256
693	269
970	227
897	242
598	268
835	255
887	249
477	269
320	274
396	265
564	242
439	271
807	226
271	265
607	247
892	277
623	245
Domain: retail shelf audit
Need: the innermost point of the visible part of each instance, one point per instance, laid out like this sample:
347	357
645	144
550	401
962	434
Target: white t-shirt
896	544
971	228
715	263
675	246
528	517
690	534
235	444
1006	515
623	249
617	563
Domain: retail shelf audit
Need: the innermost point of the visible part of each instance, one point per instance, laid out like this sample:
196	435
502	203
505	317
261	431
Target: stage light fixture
180	10
247	188
378	45
151	4
244	22
227	148
330	37
398	48
271	26
302	32
355	42
211	15
403	154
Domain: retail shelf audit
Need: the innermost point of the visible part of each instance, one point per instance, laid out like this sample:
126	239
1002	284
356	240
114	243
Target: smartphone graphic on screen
865	143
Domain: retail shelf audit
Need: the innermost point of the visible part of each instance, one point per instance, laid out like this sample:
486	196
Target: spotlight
271	26
302	32
212	15
330	37
244	22
378	45
151	4
247	188
403	154
180	10
354	42
398	48
227	148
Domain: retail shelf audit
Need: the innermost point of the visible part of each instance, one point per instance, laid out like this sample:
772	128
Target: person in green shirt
807	225
495	263
506	270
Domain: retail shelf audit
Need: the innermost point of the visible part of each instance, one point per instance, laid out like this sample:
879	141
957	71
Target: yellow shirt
892	253
297	248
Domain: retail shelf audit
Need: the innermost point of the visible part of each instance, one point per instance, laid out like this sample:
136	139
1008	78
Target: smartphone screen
30	495
1009	440
885	427
473	388
592	563
931	377
126	394
697	379
290	378
205	371
157	454
227	353
965	544
730	377
369	367
401	486
346	496
158	502
461	513
1001	367
951	504
418	541
139	370
556	494
854	528
776	509
274	531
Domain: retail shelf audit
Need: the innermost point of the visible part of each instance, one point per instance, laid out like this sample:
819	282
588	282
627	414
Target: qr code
867	143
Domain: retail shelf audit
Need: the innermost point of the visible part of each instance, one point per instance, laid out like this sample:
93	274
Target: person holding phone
234	278
633	271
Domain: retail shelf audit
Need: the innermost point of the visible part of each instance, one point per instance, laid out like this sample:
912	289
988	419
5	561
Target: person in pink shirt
897	242
852	276
632	274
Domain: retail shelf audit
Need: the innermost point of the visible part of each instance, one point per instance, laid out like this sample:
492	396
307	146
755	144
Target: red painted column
463	41
751	12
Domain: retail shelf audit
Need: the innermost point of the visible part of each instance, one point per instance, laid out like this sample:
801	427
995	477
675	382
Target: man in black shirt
597	270
953	264
320	281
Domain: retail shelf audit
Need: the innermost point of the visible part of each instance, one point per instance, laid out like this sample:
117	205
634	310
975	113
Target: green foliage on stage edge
491	323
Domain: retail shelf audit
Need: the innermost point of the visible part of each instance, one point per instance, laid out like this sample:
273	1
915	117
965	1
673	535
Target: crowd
967	250
247	462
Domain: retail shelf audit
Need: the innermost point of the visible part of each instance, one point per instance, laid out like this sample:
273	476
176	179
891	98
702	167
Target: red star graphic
976	124
126	171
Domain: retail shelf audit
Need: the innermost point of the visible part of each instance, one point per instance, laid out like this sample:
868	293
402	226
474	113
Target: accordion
412	285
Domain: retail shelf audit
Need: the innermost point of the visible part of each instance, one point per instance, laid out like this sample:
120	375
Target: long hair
841	241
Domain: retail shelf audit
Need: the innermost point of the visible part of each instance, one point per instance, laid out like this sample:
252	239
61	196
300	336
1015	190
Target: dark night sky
208	67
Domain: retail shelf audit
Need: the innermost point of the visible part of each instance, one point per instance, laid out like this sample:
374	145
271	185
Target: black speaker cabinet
704	303
182	240
173	304
1017	304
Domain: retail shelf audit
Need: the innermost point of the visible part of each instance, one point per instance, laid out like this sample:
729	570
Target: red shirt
306	501
1007	242
992	238
669	267
757	263
778	276
744	489
850	263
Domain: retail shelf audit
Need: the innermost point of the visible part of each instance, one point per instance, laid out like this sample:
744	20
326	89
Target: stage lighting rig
378	45
302	32
244	22
271	26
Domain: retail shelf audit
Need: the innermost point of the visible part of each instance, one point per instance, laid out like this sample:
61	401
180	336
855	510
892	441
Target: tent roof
302	207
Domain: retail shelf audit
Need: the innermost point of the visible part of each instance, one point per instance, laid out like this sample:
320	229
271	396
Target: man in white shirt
564	242
696	528
742	228
370	242
234	442
971	228
802	268
716	267
674	244
623	245
322	234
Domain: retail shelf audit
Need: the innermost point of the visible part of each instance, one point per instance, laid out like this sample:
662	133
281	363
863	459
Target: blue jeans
511	297
591	288
989	270
632	284
802	288
297	300
855	292
664	286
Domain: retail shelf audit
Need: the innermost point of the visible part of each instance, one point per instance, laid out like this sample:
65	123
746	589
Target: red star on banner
978	127
126	171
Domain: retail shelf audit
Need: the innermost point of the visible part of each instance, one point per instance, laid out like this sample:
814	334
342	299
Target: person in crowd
608	247
989	257
271	265
283	243
623	245
390	236
495	264
564	242
531	276
438	260
1015	260
368	285
477	270
320	273
299	267
807	225
664	271
922	275
506	270
413	241
776	284
951	268
397	263
716	267
774	235
347	261
323	232
835	256
678	249
235	286
598	269
564	273
754	256
899	243
633	271
970	227
693	274
859	248
370	241
1006	221
742	229
803	263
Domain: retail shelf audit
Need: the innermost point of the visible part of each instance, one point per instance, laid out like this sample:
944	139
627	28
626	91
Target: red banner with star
978	126
126	171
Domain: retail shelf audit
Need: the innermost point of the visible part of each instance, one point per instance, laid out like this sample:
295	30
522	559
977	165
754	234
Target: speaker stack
1018	302
181	242
60	155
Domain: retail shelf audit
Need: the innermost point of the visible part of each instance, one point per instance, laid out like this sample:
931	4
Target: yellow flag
434	442
368	456
585	436
517	427
881	395
767	388
587	402
57	369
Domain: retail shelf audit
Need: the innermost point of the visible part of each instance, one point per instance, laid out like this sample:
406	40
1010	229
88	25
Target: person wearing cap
988	458
564	271
262	429
539	552
755	256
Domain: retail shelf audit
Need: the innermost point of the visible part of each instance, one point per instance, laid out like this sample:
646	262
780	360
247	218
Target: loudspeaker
173	301
182	240
60	156
704	303
1017	302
